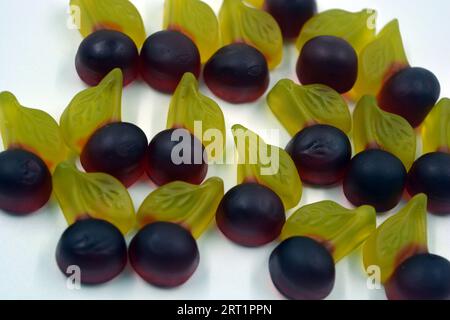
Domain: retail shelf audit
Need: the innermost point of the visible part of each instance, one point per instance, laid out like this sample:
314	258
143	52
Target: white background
37	53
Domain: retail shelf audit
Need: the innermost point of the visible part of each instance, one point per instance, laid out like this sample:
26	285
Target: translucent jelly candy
436	128
192	206
119	15
95	195
358	28
197	20
164	254
31	129
267	165
96	247
165	57
398	238
302	269
199	114
251	215
241	23
299	106
375	128
378	60
339	229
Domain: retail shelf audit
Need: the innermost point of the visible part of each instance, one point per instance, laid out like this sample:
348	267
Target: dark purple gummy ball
421	277
410	93
237	73
25	182
189	164
97	247
302	269
321	153
104	50
165	57
376	178
328	60
164	254
118	149
430	174
251	215
291	15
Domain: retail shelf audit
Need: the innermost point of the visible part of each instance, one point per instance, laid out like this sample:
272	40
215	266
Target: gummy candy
410	93
436	128
119	15
321	153
32	130
358	28
379	60
96	247
241	23
103	51
376	178
430	174
299	106
251	215
339	229
164	254
398	238
328	60
189	106
421	277
196	20
189	205
161	165
95	195
375	128
237	73
165	57
302	269
280	175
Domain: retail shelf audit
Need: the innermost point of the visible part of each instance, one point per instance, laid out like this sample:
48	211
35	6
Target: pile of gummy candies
342	59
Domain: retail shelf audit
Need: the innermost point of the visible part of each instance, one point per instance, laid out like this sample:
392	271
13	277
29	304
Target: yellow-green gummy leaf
192	206
299	106
339	229
198	114
436	128
373	127
31	129
268	165
241	23
197	20
91	109
358	28
398	238
97	195
256	3
378	60
119	15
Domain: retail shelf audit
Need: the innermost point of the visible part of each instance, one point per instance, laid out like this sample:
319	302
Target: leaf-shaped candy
119	15
190	205
299	106
436	128
339	229
31	129
398	238
241	23
358	28
373	127
378	60
256	3
197	20
268	165
193	111
97	195
91	109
